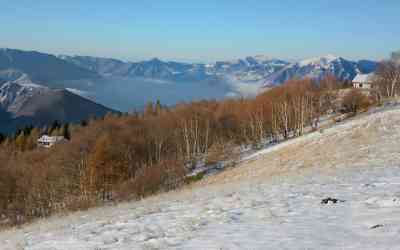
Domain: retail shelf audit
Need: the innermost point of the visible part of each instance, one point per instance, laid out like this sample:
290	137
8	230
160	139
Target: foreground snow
271	202
284	214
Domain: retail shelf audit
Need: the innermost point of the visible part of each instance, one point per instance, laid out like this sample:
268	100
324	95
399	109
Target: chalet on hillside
363	81
49	141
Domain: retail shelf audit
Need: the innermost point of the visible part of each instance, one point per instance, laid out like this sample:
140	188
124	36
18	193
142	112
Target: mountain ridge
319	67
259	68
42	68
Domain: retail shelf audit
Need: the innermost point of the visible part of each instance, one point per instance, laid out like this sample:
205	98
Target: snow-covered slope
271	202
13	95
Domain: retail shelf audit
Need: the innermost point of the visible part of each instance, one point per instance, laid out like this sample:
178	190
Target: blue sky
205	30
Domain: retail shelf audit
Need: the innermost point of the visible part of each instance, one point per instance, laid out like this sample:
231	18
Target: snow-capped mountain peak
262	58
319	67
323	60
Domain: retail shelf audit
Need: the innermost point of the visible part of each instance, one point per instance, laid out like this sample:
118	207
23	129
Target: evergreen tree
149	109
158	107
66	132
2	138
17	133
27	130
54	126
84	123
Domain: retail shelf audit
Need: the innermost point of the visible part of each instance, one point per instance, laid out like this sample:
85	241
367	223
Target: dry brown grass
326	150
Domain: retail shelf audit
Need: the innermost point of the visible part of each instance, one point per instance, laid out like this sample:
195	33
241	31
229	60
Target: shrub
355	101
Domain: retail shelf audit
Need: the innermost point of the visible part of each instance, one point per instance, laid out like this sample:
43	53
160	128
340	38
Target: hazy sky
203	30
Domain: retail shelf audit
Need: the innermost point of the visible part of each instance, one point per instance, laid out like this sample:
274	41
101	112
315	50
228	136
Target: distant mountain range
152	69
29	76
41	68
250	69
48	69
317	68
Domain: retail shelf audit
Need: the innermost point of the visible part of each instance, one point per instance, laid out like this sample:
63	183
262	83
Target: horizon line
193	61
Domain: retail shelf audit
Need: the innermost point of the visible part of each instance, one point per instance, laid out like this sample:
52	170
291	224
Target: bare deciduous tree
387	79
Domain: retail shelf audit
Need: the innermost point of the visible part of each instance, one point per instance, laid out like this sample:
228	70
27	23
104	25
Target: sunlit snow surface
279	212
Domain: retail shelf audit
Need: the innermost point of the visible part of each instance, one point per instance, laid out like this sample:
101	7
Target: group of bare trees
295	108
130	156
387	78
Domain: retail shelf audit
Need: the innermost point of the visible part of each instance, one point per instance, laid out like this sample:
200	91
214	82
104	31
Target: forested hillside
130	156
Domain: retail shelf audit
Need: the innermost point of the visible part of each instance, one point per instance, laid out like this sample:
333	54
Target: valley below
129	94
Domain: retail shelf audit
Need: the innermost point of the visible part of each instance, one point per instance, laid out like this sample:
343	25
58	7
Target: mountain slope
40	67
60	105
31	104
103	66
272	202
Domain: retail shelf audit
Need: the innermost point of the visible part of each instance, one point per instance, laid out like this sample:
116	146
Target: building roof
364	78
46	138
